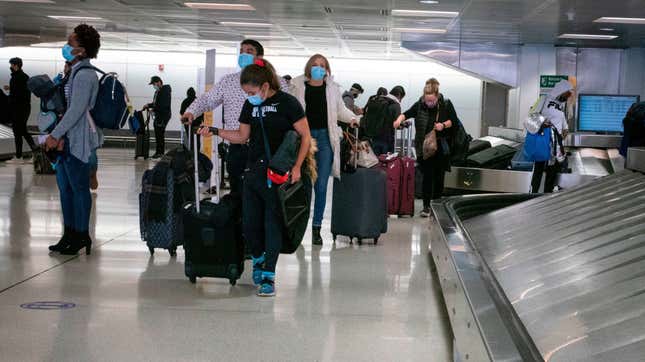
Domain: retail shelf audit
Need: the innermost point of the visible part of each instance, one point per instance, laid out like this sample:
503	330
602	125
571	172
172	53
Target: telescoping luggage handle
406	142
216	169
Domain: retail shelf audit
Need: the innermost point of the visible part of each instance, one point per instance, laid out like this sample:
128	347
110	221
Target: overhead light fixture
425	13
614	20
428	1
270	37
419	30
220	6
65	17
29	1
242	24
588	36
606	29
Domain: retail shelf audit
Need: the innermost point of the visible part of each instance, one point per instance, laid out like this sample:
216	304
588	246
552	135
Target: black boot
316	239
82	240
65	240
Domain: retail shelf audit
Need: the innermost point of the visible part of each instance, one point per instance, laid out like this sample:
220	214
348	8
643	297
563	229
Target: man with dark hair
161	107
19	103
229	94
75	139
350	96
383	111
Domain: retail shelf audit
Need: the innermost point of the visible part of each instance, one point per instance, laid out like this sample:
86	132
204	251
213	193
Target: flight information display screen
603	113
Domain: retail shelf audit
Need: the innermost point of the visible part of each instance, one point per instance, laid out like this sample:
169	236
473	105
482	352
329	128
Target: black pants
433	180
235	165
160	139
551	176
262	218
19	125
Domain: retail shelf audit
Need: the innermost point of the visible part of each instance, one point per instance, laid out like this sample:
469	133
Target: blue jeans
324	162
73	179
261	216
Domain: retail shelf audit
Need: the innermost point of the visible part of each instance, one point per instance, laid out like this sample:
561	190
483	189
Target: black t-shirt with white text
280	112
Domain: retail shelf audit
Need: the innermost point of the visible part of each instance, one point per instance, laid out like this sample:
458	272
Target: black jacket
19	94
424	119
184	106
162	105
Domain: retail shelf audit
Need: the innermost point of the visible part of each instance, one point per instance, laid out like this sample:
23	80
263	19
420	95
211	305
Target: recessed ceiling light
29	1
220	6
426	13
242	24
588	36
428	1
606	29
65	17
419	30
613	20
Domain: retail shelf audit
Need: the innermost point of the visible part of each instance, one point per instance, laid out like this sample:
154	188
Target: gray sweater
75	124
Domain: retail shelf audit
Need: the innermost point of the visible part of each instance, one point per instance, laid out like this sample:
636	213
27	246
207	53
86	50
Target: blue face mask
318	73
255	99
67	53
244	60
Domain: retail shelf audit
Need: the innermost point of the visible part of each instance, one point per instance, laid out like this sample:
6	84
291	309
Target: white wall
535	60
182	71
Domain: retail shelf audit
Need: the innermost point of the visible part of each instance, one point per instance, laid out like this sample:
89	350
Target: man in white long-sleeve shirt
229	94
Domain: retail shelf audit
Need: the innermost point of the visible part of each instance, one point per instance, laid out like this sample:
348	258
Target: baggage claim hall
322	180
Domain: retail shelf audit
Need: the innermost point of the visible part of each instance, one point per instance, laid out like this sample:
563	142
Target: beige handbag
430	145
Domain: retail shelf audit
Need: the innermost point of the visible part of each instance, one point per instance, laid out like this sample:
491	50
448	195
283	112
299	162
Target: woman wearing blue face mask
432	112
267	115
322	99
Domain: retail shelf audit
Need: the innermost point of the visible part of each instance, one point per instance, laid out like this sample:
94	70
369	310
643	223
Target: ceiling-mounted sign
548	82
48	305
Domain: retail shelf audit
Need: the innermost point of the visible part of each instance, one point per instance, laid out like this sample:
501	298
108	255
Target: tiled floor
335	303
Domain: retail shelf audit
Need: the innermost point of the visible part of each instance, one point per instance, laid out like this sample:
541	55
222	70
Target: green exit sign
549	81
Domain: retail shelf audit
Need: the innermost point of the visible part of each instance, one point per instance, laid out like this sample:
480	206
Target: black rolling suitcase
212	235
478	146
498	157
359	206
142	146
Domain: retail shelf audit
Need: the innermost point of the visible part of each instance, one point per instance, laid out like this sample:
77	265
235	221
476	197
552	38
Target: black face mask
355	96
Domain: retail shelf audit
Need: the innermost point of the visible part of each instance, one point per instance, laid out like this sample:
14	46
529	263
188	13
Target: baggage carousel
548	278
590	156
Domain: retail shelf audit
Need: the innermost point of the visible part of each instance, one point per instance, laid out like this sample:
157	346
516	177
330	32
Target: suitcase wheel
152	250
375	241
172	251
193	279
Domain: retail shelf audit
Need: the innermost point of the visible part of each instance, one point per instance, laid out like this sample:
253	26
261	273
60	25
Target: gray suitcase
359	208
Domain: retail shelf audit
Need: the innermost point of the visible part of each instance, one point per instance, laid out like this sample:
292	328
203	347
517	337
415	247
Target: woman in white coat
322	100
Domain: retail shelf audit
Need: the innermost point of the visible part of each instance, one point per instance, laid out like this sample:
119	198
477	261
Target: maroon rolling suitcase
406	193
391	164
399	168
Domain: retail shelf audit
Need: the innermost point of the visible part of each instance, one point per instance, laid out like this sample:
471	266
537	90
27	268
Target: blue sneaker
258	263
267	286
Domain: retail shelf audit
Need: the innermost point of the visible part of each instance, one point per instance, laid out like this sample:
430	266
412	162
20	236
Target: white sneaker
425	212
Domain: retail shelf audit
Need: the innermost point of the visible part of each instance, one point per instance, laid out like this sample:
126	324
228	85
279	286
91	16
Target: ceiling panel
349	27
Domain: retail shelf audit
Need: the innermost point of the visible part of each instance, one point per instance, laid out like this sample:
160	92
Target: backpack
52	101
460	144
374	120
111	108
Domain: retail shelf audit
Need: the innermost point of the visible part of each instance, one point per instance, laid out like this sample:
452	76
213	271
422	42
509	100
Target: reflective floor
335	303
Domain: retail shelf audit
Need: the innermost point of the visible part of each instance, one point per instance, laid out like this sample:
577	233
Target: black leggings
19	125
551	176
160	139
433	180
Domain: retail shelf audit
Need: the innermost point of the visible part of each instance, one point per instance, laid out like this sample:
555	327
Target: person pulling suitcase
267	115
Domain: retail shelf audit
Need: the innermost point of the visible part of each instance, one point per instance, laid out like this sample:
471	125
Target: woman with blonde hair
432	112
322	99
